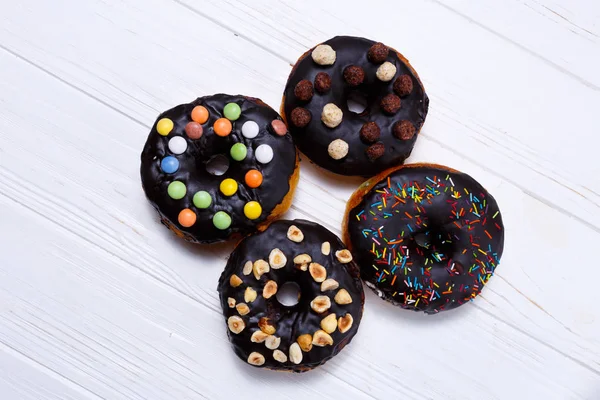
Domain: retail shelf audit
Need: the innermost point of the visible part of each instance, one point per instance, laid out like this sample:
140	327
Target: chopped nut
279	356
386	71
277	259
249	295
231	302
270	289
320	304
260	267
343	256
317	271
305	342
329	284
273	342
323	54
322	339
265	325
343	297
256	358
325	248
338	149
258	337
242	308
302	267
329	323
295	234
235	280
332	115
235	324
302	259
295	353
345	323
247	268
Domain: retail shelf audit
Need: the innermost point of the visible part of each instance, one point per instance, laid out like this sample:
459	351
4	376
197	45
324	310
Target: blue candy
169	164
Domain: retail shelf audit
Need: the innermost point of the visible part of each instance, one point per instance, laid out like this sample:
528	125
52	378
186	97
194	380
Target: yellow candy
252	210
164	126
228	187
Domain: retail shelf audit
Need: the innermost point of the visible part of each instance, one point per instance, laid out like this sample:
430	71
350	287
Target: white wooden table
99	301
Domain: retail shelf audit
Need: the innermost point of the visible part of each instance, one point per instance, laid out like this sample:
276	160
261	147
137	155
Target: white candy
250	129
323	54
264	153
386	71
177	145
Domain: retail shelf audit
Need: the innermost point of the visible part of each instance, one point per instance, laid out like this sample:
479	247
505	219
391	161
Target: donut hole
289	294
217	165
436	244
357	102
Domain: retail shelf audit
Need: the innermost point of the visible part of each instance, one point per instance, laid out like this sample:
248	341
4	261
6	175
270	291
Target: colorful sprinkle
252	210
264	154
178	145
222	127
250	129
200	114
202	199
169	165
228	187
186	218
176	190
238	151
194	130
253	178
232	111
221	220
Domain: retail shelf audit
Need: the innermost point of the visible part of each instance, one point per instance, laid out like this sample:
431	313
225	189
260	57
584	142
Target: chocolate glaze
315	137
461	252
300	318
192	170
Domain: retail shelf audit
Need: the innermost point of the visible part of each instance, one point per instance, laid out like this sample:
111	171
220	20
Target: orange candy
222	127
253	178
187	218
200	114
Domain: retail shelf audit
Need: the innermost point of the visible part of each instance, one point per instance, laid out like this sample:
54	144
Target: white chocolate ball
264	154
177	145
386	71
323	54
338	149
250	129
331	115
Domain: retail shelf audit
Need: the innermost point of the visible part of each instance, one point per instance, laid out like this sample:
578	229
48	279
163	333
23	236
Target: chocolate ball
378	53
300	117
391	103
375	151
354	75
403	85
322	82
404	130
304	90
370	132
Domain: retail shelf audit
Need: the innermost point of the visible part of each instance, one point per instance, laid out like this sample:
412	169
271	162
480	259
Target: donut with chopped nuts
219	167
315	105
427	237
264	331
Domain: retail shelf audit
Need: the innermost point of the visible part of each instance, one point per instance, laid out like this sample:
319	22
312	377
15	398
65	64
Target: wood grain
98	301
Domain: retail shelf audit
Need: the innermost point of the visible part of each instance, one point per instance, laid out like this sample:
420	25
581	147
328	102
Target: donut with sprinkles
270	331
354	106
219	167
426	237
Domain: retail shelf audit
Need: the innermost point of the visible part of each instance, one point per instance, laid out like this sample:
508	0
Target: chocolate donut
315	105
426	237
265	332
220	167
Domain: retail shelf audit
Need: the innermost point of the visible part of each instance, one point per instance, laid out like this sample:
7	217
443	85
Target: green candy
238	151
202	199
222	220
176	190
232	111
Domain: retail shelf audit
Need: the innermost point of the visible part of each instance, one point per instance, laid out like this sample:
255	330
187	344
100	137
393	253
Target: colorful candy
186	218
279	127
178	145
221	220
164	126
200	114
250	129
228	187
193	130
232	111
252	210
264	154
202	199
222	127
253	178
238	151
169	165
176	190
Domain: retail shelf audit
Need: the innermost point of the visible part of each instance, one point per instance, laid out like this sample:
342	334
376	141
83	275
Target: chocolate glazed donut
220	167
426	237
265	332
315	105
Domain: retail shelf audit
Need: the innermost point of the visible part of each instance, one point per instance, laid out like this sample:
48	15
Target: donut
219	167
426	237
315	105
264	331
